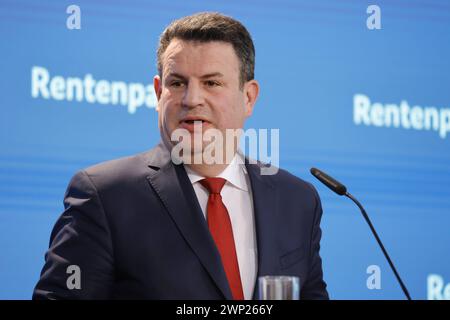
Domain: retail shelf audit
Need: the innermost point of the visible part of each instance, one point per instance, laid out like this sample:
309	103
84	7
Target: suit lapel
173	187
265	200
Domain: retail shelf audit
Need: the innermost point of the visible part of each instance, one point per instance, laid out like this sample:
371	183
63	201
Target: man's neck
206	170
211	170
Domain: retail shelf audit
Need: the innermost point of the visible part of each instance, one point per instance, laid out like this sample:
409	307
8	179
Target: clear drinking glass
279	288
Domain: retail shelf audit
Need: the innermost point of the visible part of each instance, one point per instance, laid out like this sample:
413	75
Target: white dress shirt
237	197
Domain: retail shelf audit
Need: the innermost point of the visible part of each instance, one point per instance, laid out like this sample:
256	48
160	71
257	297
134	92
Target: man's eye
176	84
211	83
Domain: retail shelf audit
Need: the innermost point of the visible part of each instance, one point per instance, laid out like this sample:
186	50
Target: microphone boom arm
366	217
341	190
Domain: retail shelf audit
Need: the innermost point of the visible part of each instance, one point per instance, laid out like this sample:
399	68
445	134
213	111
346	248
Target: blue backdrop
312	59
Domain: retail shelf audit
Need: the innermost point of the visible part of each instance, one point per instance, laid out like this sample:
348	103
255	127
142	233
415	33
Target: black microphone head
331	183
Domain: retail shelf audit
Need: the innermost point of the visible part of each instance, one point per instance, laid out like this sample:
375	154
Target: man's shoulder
120	171
292	183
292	192
126	163
286	182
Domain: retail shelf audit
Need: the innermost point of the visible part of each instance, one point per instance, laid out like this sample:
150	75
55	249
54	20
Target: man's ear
158	88
251	91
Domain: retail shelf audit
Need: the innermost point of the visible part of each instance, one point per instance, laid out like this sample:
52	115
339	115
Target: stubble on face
200	84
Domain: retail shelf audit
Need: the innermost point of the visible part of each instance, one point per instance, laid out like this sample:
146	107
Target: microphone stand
341	190
366	217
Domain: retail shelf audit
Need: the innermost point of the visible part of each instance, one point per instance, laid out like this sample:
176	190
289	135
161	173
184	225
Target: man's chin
198	147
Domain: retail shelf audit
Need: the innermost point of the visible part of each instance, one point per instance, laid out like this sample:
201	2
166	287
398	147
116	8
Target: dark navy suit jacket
135	229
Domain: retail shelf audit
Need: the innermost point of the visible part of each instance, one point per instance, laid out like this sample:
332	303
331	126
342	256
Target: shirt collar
234	173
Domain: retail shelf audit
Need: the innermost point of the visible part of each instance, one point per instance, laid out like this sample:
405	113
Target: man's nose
193	95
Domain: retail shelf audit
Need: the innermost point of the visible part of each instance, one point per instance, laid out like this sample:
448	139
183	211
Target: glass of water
279	288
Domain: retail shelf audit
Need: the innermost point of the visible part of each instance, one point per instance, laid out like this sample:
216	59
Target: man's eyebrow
175	75
211	75
205	76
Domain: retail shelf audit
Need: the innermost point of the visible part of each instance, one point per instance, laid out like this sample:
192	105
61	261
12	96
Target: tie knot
214	185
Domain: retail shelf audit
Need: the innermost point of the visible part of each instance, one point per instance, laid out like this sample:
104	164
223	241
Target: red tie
220	227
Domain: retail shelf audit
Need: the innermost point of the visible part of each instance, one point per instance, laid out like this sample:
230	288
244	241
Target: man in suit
156	226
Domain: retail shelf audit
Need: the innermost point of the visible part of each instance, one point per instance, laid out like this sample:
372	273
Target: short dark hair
212	26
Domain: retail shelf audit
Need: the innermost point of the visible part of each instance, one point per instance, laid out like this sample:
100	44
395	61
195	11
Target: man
150	227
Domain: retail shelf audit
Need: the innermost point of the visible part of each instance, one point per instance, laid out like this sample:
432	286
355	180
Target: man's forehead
200	57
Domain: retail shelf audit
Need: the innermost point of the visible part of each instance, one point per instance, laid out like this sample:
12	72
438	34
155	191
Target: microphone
341	190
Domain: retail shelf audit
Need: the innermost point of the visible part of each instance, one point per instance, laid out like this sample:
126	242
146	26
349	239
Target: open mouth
194	121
